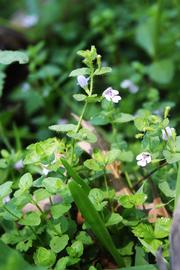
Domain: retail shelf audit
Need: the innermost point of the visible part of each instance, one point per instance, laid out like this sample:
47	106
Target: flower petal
116	99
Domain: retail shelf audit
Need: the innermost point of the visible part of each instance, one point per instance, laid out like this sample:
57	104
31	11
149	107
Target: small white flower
82	81
62	121
128	84
6	199
111	95
167	133
143	159
25	87
24	20
45	171
19	165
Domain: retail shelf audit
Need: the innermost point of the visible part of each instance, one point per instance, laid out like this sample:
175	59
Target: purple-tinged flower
24	20
143	159
111	95
6	199
19	165
82	81
168	133
128	84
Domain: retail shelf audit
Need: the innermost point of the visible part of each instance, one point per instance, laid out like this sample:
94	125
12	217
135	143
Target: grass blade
94	220
177	196
75	175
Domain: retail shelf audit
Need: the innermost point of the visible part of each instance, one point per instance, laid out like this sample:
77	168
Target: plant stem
151	173
76	131
51	202
39	208
81	116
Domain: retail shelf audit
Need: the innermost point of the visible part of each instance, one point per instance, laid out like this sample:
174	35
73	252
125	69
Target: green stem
170	142
36	204
51	202
151	173
106	183
76	131
82	115
107	190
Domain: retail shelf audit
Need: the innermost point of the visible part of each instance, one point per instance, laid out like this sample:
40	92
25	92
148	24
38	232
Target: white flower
19	165
6	199
111	95
143	159
167	133
45	171
24	20
82	81
128	84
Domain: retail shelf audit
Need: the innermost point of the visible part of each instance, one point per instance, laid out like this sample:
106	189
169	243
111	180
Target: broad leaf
8	57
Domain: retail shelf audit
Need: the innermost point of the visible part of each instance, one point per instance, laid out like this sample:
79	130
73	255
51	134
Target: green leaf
114	219
63	128
62	263
129	201
25	181
116	154
13	212
171	157
140	267
84	134
44	257
84	238
178	143
140	256
75	176
124	118
102	70
5	189
126	156
93	165
76	249
24	246
144	231
162	71
79	71
52	184
93	99
11	259
57	243
94	220
167	188
96	196
8	57
40	194
99	120
162	227
145	36
127	250
140	123
79	97
59	210
30	219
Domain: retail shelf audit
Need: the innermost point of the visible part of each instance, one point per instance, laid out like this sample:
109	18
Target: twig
151	173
